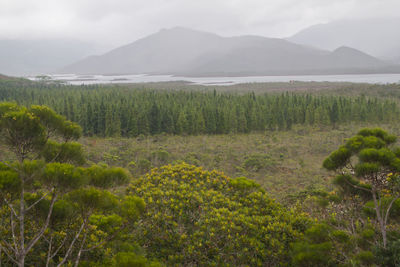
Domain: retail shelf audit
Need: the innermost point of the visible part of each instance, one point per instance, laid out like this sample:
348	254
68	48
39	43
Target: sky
111	23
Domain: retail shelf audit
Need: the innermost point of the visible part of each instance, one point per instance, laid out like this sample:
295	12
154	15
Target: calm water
102	79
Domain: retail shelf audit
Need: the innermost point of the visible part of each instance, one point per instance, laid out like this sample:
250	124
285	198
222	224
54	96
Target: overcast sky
116	22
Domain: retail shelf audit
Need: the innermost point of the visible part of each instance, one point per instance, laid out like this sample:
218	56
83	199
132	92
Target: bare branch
9	205
9	166
40	199
44	227
13	231
72	244
78	257
8	246
59	247
389	207
8	254
107	239
358	187
49	251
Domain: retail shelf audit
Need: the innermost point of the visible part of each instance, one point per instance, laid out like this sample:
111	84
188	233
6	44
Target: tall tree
368	164
40	182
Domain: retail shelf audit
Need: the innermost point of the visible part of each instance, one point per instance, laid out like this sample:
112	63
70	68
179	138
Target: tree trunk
21	258
21	261
382	224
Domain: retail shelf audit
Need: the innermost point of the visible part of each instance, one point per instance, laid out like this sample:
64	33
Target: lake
143	78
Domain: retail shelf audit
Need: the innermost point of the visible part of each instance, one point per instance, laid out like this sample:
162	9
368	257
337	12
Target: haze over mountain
26	57
184	51
377	37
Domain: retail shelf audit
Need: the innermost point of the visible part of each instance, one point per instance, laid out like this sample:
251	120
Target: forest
185	175
111	111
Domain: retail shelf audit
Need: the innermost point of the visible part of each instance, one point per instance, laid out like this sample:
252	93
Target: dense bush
390	256
203	218
256	162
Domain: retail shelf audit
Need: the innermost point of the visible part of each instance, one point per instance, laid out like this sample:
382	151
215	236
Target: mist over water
143	78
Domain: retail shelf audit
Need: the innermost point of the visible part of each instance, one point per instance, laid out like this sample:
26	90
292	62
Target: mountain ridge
182	51
376	37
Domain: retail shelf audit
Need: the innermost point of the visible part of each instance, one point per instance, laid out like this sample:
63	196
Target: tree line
114	110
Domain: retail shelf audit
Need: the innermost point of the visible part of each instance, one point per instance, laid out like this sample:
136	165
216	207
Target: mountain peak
377	37
183	30
183	51
176	28
349	51
343	49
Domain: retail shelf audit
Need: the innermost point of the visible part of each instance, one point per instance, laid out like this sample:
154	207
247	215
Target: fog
111	23
46	36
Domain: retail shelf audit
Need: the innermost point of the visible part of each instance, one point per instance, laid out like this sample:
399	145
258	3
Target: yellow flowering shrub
196	217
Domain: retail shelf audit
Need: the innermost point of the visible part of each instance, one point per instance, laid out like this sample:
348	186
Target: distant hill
4	77
167	51
377	37
183	51
24	57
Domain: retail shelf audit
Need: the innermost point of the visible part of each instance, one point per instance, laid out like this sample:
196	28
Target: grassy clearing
284	163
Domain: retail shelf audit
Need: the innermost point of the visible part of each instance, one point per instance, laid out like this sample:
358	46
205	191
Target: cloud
114	22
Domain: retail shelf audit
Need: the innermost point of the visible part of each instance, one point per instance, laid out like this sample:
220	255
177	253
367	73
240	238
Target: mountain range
182	51
377	37
341	47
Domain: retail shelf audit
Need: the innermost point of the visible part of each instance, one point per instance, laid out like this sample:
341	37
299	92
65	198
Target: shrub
143	165
203	218
390	256
257	162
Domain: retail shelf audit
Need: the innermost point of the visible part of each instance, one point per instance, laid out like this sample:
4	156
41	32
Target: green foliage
53	212
126	259
143	165
22	131
49	118
307	254
92	199
348	185
243	184
372	156
116	110
106	177
132	207
365	258
377	132
71	131
63	176
321	246
9	181
316	249
337	159
257	162
369	170
366	169
201	218
66	153
390	256
369	207
129	259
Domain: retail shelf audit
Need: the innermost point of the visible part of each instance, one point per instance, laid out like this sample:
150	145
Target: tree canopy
369	166
53	212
